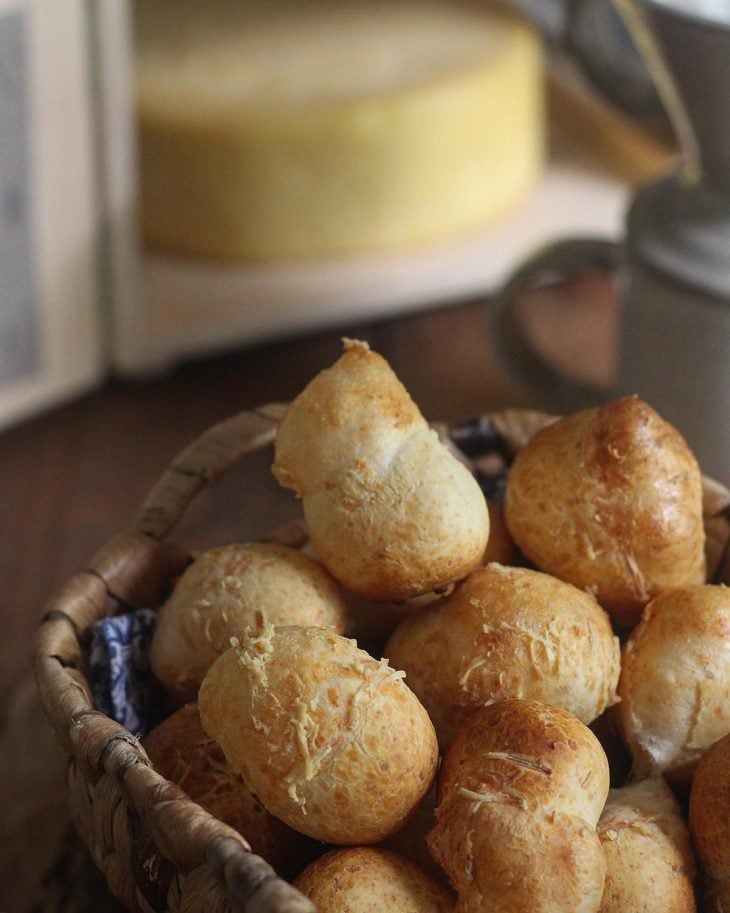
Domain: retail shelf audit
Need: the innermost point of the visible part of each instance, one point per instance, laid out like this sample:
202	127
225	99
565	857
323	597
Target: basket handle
130	568
203	461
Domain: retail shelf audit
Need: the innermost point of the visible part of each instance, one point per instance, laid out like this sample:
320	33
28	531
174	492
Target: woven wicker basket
157	849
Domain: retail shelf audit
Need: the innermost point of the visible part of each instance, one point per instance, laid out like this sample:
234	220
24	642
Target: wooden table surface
71	478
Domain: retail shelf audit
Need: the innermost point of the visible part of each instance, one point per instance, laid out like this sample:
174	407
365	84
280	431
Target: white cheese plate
188	307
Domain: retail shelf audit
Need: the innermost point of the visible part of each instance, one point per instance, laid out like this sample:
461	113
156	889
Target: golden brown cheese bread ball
610	499
229	589
410	840
390	511
709	821
520	792
605	728
182	753
500	547
331	741
372	621
675	681
508	632
371	880
649	860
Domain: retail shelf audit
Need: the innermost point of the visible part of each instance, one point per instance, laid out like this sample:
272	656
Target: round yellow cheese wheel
278	130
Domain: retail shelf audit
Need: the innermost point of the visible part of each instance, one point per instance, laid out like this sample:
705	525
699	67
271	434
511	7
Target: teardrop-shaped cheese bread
390	511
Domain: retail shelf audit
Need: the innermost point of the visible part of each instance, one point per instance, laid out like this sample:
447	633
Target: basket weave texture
158	850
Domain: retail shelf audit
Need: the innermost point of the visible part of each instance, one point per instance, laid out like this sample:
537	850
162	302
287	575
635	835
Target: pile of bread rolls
462	764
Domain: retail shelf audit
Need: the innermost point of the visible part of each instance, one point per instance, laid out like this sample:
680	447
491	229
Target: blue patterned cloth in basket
119	673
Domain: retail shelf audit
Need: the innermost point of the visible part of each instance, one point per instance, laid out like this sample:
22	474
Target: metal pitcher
673	265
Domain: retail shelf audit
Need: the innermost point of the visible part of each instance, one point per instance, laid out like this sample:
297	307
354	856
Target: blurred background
198	199
181	179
